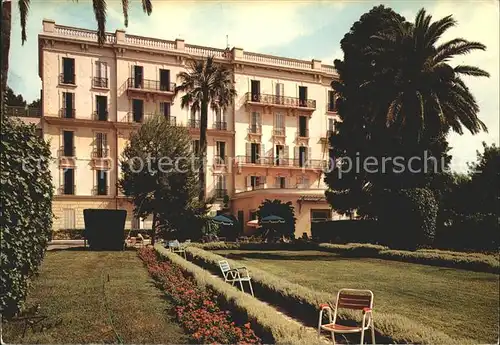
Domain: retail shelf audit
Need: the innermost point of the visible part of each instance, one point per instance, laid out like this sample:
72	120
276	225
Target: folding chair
349	299
176	247
234	275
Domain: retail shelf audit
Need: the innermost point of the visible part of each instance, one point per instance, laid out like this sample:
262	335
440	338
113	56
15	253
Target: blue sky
303	30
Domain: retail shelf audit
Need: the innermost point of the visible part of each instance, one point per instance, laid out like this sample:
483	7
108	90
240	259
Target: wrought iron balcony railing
220	126
150	85
303	133
100	82
67	151
100	190
279	132
220	193
67	79
331	107
100	153
286	101
100	115
193	123
255	129
67	113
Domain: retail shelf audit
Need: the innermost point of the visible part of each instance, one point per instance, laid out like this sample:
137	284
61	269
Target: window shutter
249	181
64	100
248	149
308	152
296	153
105	140
262	180
262	153
286	152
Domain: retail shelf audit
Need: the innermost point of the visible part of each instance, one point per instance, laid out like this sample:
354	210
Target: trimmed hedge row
78	234
269	325
303	304
459	260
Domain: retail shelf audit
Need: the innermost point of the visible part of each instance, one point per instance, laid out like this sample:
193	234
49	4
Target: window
68	75
101	74
102	182
220	151
138	77
69	218
165	109
220	120
68	110
331	101
101	108
137	110
280	152
320	215
255	182
279	124
303	182
255	152
303	127
195	146
303	96
69	181
165	80
280	93
68	144
255	90
255	122
331	124
220	186
302	156
280	182
253	215
101	145
194	121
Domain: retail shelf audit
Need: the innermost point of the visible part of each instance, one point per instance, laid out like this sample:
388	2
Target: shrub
408	217
345	231
278	208
26	216
195	307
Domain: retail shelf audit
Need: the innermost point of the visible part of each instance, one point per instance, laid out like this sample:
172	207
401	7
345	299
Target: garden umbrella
220	219
272	219
253	223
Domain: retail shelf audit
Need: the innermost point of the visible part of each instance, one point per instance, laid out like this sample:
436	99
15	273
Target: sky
297	29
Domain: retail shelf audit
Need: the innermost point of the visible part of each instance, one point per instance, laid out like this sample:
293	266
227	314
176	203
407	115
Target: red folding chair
353	299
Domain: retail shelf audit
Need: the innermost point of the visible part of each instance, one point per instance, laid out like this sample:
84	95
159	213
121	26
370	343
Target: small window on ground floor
321	215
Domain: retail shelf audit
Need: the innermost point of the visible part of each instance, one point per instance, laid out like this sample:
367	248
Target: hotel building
272	144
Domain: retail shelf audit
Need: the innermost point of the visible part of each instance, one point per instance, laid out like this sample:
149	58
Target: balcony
193	123
150	88
331	107
19	111
67	113
67	79
220	193
302	134
140	118
272	101
327	136
100	82
67	190
220	126
100	190
100	153
67	151
279	132
100	116
244	160
310	163
220	160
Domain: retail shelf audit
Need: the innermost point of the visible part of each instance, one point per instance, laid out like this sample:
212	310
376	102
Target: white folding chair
176	247
353	299
234	275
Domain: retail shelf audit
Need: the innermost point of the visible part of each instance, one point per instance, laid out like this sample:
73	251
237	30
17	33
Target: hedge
303	304
78	234
272	327
468	261
26	216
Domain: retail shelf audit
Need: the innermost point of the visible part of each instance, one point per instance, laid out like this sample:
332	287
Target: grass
70	288
462	304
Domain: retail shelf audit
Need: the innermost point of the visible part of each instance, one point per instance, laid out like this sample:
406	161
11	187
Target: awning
253	223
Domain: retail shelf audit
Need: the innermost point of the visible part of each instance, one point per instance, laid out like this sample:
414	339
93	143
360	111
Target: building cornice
288	192
235	56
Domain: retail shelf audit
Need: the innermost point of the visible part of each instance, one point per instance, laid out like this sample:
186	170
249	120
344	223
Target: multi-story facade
270	144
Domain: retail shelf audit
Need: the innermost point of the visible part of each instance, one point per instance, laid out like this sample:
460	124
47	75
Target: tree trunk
203	149
153	235
5	44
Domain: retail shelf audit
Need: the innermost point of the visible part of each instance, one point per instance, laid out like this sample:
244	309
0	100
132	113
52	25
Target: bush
26	216
196	307
79	234
346	231
408	217
104	229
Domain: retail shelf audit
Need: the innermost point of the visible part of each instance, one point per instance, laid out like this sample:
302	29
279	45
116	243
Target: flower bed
195	307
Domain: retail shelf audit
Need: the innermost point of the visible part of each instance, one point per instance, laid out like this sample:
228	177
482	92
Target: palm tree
414	88
205	84
99	6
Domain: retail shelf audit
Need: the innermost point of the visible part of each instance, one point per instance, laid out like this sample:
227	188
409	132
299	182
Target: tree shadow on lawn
270	256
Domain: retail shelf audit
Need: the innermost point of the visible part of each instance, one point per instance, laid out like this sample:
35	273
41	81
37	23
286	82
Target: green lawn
458	302
70	288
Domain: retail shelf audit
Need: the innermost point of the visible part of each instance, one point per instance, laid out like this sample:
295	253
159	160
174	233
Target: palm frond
100	16
437	29
147	6
471	70
456	47
24	7
125	12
